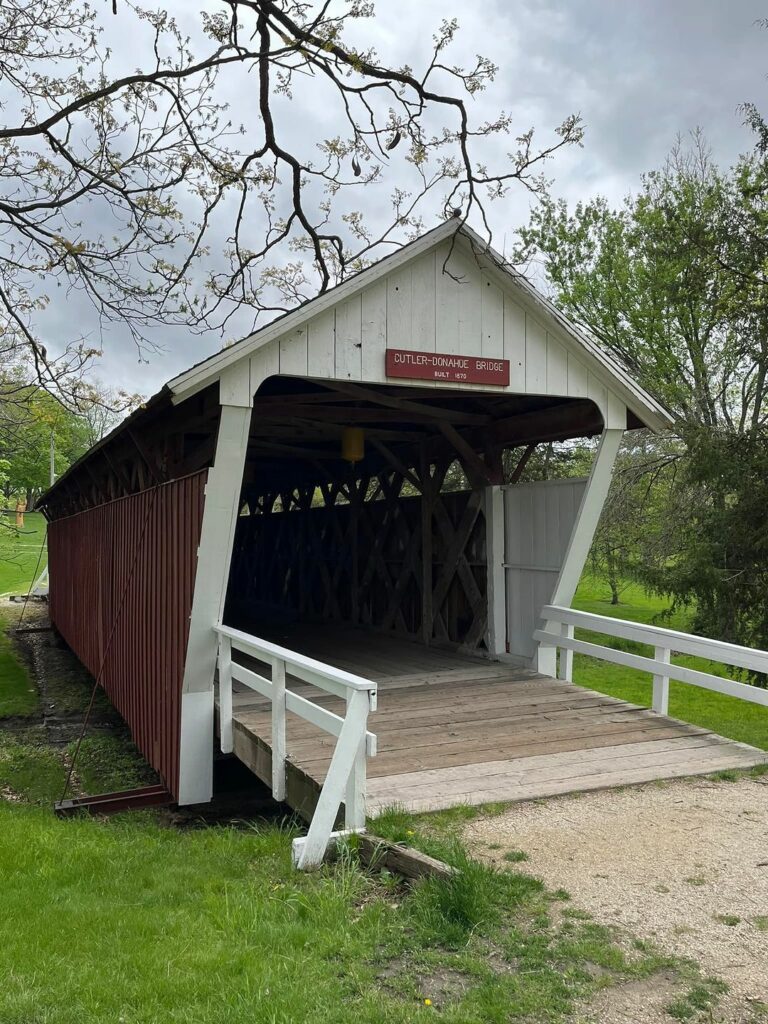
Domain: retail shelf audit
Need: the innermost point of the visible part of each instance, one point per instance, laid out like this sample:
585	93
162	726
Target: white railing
345	780
558	632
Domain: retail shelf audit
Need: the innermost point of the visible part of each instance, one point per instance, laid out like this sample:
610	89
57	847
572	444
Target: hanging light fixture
352	444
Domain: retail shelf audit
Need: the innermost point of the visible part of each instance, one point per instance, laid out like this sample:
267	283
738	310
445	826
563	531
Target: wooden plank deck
453	729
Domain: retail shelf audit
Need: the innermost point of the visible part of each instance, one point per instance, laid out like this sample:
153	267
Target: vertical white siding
264	362
349	360
538	521
492	316
514	342
535	357
399	308
293	352
578	378
374	330
459	309
557	367
423	285
446	305
321	344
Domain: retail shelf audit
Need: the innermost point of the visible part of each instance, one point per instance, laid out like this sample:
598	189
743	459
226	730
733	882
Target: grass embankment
19	552
727	716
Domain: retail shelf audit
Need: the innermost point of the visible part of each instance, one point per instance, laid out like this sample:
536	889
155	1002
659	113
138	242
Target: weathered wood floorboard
454	729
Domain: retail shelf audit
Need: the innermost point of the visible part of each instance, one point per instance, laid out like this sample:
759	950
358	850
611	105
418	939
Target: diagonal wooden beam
396	464
517	472
470	460
145	457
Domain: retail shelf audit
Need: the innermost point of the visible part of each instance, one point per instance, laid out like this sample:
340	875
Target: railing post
565	666
278	730
354	798
342	766
661	683
225	695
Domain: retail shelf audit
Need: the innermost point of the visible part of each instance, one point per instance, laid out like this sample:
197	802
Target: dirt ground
683	864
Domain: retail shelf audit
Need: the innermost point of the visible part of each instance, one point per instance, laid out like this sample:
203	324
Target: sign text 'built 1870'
401	362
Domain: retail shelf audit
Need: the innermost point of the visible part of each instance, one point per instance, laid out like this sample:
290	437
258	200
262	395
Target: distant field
736	719
19	552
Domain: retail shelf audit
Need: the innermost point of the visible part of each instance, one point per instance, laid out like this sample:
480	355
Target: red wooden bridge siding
126	569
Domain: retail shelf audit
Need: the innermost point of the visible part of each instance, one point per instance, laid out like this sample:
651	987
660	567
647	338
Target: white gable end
424	308
435	295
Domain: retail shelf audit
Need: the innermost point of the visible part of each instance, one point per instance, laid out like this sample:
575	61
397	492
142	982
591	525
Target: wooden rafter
517	472
407	405
477	470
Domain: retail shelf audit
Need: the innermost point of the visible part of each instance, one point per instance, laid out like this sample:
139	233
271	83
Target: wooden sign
402	362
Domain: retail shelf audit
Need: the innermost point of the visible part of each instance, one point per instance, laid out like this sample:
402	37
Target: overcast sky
638	71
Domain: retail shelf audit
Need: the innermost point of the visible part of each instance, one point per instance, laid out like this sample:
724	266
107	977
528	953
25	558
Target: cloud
639	73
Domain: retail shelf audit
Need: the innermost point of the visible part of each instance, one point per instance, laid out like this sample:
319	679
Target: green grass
129	920
698	1001
30	768
515	856
19	552
108	763
727	716
17	695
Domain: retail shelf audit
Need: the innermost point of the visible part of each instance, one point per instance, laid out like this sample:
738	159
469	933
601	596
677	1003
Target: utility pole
53	473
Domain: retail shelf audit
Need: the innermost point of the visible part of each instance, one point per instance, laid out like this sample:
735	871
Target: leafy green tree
662	284
26	443
673	284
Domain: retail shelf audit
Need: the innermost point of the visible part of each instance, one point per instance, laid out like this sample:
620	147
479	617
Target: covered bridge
329	513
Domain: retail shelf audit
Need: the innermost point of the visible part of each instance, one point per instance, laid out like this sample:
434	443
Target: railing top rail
299	663
659	636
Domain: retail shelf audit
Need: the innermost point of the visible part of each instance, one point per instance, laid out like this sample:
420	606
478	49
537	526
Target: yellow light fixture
352	444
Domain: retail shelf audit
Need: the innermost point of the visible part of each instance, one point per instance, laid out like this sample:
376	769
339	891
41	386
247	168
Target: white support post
565	665
222	507
584	528
278	730
496	638
661	683
333	791
225	695
354	798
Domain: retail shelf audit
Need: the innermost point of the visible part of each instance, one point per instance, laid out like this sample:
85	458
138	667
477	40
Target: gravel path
684	864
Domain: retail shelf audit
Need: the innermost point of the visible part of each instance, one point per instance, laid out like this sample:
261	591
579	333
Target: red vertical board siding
122	577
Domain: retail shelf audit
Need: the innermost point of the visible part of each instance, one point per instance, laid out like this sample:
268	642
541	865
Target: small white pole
225	695
496	573
278	730
53	460
565	666
661	683
354	798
